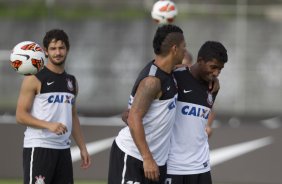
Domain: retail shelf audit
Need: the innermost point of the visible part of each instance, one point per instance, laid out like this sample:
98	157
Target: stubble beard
60	63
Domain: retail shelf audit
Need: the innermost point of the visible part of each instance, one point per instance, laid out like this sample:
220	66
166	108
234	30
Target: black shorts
125	169
49	166
202	178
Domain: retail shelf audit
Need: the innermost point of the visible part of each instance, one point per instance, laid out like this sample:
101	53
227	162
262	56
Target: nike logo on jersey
25	55
168	88
187	91
49	83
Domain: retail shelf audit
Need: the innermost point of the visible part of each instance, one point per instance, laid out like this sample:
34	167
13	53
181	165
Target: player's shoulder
150	81
42	74
30	82
69	74
149	87
30	78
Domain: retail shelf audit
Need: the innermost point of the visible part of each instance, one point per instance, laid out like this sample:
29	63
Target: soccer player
46	105
188	60
139	152
188	160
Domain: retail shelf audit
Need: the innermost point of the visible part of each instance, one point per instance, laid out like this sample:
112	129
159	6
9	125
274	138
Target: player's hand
209	131
151	169
214	85
85	159
124	116
57	128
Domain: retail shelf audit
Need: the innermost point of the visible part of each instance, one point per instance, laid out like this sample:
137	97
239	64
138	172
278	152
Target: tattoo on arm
147	91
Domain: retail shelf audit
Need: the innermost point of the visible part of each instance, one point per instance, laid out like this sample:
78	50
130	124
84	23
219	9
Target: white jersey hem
188	172
45	146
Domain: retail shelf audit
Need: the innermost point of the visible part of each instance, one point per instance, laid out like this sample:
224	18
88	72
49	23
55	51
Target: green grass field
17	181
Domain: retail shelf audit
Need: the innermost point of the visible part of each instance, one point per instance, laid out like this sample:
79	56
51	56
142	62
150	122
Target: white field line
224	154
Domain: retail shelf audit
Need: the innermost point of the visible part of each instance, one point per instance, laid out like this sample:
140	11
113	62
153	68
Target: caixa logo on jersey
195	111
61	99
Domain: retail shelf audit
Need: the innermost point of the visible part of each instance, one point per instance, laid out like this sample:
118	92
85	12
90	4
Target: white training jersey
189	152
158	120
52	104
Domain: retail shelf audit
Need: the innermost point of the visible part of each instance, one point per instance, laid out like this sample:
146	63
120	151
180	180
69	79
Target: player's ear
45	51
174	48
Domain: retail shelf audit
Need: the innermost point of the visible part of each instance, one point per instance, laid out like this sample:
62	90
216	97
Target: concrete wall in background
106	57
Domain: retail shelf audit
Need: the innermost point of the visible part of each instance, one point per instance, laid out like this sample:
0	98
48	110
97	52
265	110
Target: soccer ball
27	58
164	12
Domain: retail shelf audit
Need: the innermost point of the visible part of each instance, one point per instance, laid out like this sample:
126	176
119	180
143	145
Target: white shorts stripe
124	168
30	166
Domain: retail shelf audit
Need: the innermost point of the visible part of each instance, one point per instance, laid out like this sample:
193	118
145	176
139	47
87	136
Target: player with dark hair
46	105
188	160
56	34
139	152
188	60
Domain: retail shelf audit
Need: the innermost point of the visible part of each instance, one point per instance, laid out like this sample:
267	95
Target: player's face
57	52
210	69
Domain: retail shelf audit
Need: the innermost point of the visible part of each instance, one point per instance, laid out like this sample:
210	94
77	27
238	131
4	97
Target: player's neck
194	71
164	64
55	68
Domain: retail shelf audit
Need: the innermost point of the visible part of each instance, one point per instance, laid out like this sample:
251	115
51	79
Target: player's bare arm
211	118
30	87
214	86
79	139
148	90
